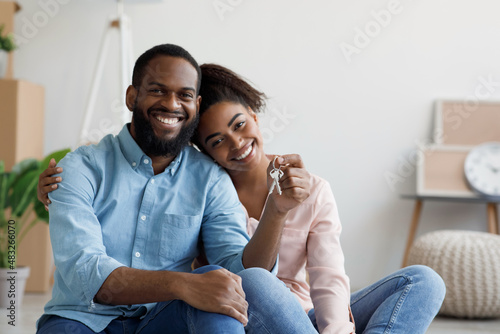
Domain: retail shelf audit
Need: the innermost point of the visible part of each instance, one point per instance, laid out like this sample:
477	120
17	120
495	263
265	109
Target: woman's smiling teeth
167	120
245	154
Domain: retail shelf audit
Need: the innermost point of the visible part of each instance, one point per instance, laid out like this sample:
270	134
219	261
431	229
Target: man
126	222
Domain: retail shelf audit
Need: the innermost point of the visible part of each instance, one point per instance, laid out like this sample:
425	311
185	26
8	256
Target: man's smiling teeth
169	121
245	154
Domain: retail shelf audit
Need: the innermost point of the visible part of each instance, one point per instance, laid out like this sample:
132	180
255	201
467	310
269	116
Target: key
276	175
272	187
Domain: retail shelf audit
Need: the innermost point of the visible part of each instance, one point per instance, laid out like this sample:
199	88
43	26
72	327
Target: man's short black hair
170	50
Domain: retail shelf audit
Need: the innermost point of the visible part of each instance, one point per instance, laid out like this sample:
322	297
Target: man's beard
154	146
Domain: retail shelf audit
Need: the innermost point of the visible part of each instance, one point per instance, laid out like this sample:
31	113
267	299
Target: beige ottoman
469	263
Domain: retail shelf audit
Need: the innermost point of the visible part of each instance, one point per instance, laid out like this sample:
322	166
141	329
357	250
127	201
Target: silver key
276	175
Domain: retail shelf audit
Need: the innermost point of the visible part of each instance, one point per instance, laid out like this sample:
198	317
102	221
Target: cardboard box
22	113
7	11
21	136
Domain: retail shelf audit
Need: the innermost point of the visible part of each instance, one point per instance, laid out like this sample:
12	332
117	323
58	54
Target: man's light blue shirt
110	210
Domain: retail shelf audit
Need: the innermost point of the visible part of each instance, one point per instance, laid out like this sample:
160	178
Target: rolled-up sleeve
330	290
80	256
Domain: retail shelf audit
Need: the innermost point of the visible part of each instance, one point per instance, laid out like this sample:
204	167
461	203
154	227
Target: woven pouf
469	263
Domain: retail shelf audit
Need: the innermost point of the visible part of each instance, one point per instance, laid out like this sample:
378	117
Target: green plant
6	41
18	200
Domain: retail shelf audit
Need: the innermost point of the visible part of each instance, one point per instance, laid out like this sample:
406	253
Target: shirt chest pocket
179	237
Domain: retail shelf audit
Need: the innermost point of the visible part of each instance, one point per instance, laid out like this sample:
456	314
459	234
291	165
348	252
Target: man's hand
217	291
47	183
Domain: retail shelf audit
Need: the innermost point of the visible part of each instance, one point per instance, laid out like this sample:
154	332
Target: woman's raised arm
47	182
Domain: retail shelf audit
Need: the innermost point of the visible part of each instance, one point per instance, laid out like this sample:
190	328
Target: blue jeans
263	292
404	302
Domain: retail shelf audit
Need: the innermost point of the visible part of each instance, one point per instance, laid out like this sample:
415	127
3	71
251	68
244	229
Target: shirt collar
134	154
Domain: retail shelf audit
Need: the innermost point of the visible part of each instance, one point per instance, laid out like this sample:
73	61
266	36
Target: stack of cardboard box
21	136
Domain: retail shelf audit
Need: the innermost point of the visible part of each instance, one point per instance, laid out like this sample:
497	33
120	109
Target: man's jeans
404	302
264	292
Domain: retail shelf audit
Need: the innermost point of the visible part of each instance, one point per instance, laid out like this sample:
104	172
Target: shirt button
153	181
134	164
143	217
137	254
146	161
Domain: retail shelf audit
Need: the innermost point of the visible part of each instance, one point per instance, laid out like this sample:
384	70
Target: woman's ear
131	97
253	114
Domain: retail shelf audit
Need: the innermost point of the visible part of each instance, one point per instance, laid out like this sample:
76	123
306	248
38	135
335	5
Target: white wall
353	122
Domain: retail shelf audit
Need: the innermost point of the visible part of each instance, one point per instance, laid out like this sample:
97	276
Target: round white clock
482	169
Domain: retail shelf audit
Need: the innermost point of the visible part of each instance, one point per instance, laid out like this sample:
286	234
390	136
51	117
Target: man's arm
76	236
218	291
92	276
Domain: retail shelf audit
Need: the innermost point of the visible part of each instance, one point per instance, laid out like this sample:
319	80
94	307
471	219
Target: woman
403	302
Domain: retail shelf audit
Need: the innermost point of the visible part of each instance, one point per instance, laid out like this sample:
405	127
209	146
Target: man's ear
131	97
198	102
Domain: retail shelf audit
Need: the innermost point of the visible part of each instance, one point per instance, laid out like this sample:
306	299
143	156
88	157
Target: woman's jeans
264	292
405	302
